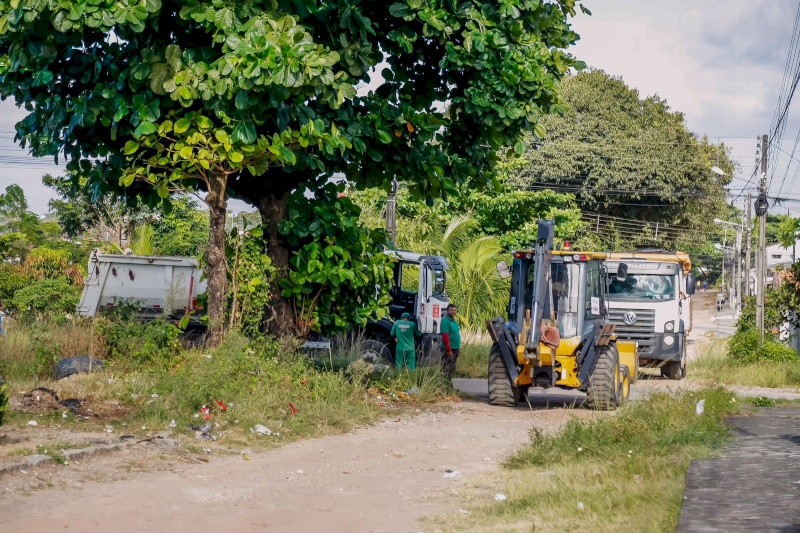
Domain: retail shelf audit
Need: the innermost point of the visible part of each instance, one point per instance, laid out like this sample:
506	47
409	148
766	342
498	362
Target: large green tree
628	158
258	99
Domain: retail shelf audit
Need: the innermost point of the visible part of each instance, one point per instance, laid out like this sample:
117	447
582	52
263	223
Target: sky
719	62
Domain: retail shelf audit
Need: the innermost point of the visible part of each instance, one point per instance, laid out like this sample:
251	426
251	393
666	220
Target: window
438	281
592	289
776	256
409	278
642	287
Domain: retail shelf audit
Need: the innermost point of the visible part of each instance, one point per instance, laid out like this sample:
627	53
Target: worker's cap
405	316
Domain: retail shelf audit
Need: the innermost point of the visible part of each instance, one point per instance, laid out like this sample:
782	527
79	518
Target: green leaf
519	147
384	137
182	125
131	147
245	132
203	122
236	157
152	5
222	136
539	130
144	128
241	99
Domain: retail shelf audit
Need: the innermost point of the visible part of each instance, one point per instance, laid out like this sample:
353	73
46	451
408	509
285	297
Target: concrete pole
762	243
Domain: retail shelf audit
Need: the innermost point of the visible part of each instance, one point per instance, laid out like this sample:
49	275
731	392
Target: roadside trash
464	511
261	430
206	410
206	428
80	364
500	497
222	405
580	506
173	424
413	390
300	472
245	457
154	395
293	408
701	406
207	450
208	356
450	474
33	423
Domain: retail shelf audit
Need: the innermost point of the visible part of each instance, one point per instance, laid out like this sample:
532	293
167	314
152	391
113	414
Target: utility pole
747	240
391	213
761	212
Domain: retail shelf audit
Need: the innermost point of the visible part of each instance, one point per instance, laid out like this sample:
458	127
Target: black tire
374	351
501	390
602	393
80	364
674	369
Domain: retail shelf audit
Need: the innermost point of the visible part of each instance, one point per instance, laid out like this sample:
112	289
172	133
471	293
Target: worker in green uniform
451	341
404	331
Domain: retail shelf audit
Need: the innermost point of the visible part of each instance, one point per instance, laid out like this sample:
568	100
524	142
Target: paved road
755	486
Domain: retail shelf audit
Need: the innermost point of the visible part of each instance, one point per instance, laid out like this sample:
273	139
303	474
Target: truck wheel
604	382
674	369
501	390
374	351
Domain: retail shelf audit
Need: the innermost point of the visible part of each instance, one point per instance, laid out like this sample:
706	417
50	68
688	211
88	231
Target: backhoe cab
557	333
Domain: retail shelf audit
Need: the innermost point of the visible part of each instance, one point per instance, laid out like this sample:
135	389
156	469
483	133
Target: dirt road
383	478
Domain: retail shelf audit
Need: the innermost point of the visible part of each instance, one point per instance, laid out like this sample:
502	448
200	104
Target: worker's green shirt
404	331
450	326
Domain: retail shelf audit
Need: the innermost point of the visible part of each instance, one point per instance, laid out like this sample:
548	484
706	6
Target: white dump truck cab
419	288
650	303
154	285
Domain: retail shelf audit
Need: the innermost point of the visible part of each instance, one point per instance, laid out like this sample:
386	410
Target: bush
744	348
3	399
132	341
45	299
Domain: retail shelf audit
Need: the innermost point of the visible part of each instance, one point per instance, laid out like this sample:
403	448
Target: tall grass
621	472
714	366
28	346
474	360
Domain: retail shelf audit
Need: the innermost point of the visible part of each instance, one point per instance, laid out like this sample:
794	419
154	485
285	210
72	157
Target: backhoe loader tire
501	390
604	382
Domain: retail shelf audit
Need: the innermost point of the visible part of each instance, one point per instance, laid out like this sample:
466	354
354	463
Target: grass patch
474	359
241	383
620	472
714	366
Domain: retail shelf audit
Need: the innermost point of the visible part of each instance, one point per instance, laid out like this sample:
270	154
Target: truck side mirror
503	270
622	272
691	284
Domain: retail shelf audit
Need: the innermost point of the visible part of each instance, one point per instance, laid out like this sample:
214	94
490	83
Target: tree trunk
279	316
216	263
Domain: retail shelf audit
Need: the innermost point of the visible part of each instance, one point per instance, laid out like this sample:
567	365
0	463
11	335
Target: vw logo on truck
630	318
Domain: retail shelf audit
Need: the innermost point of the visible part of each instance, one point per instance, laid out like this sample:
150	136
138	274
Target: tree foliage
258	99
340	275
628	158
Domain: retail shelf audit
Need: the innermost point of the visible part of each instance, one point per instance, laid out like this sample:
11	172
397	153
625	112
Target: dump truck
652	306
557	332
419	288
153	285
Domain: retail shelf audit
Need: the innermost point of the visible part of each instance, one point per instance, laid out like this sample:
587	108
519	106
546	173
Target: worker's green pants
406	357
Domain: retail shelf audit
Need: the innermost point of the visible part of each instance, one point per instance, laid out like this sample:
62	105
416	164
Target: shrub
744	348
132	341
45	299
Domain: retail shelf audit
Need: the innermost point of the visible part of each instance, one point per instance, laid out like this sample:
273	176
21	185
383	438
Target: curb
72	455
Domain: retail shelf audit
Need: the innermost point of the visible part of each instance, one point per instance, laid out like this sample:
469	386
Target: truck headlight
669	326
669	340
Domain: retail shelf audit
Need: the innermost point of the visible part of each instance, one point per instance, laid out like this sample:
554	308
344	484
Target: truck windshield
642	287
566	297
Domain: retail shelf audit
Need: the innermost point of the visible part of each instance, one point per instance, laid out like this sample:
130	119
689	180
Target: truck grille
642	331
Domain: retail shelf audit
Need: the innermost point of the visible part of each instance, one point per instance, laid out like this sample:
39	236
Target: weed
762	401
57	455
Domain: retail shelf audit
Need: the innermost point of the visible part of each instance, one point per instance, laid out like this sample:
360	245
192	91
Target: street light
717	170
